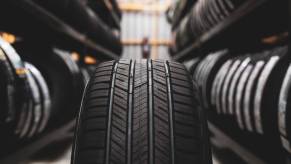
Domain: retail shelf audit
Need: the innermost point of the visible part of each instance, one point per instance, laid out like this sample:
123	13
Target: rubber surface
65	82
139	112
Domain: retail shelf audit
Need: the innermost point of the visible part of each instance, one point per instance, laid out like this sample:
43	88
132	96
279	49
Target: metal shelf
27	151
61	28
250	148
240	13
222	140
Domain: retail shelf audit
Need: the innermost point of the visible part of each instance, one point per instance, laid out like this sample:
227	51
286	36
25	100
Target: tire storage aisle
145	82
241	62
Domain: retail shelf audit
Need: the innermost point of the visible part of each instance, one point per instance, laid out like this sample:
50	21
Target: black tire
44	95
283	112
138	112
20	115
35	108
65	82
7	88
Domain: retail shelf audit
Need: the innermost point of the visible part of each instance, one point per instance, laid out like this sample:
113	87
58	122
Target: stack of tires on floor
242	68
48	51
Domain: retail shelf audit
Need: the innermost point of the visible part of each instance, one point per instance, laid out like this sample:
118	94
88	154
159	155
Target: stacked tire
39	96
248	92
66	83
21	115
284	112
203	17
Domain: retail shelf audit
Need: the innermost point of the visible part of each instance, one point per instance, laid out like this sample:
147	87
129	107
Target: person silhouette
146	48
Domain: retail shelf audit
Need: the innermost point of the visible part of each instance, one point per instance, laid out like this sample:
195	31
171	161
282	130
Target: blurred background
236	50
145	19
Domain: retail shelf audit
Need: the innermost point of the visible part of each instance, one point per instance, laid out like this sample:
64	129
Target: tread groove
130	111
150	117
108	135
171	119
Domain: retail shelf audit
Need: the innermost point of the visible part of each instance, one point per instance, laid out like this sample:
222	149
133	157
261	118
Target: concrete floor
64	159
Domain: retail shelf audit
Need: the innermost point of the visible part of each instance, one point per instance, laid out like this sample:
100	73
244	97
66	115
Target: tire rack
229	137
229	30
251	148
22	150
71	38
62	31
25	151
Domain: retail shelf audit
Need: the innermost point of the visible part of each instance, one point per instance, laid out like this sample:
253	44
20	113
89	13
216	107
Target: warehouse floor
64	159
